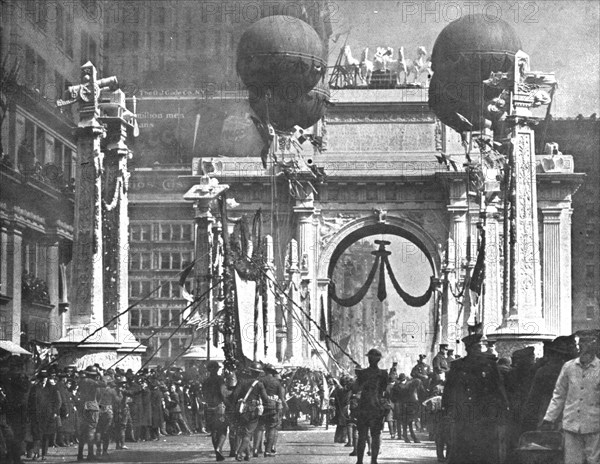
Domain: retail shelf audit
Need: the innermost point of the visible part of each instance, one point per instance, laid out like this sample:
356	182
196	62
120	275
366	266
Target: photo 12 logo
448	11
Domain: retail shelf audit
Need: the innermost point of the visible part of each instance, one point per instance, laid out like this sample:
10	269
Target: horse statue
352	68
366	67
413	67
383	58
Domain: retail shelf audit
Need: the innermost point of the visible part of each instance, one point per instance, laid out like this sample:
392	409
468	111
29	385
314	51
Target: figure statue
413	67
383	58
352	68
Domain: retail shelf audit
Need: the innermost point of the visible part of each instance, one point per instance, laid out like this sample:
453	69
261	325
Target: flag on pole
322	322
479	270
184	275
341	344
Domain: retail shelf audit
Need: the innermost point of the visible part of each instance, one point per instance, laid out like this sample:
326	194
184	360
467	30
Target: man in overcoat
440	366
476	405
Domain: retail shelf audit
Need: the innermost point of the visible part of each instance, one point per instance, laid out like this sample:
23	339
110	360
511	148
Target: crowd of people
477	407
94	407
474	407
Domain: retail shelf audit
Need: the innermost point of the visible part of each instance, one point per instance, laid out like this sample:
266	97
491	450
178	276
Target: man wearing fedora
577	397
372	405
556	353
475	403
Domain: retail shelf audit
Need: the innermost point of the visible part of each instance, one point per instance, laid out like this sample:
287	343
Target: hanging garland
382	263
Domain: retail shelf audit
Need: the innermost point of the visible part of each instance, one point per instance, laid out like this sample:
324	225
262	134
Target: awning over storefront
12	347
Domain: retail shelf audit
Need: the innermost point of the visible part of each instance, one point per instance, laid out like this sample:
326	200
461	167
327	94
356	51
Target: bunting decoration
382	264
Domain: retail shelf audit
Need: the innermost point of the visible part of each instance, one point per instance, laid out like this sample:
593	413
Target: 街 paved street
308	445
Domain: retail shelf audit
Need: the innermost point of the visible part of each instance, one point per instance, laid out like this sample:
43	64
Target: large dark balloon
465	53
280	55
301	110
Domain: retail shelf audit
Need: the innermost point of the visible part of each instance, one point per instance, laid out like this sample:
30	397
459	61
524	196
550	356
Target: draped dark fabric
414	301
354	300
381	263
479	269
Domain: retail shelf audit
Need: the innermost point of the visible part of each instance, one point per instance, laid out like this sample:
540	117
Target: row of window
148	317
165	347
41	12
35	146
148	14
172	260
160	232
168	289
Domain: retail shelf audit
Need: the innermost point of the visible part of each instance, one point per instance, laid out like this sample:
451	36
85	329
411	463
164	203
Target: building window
164	347
139	288
161	40
60	25
40	145
175	260
590	271
140	261
140	233
68	164
590	312
135	64
135	37
170	317
170	289
149	40
188	40
140	318
175	232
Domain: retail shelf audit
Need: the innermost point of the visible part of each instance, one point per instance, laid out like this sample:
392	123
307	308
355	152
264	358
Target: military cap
528	352
443	346
450	351
256	366
270	368
401	377
422	356
213	365
471	340
91	370
43	374
374	352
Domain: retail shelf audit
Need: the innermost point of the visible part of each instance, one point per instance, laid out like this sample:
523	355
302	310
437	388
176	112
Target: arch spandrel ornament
352	229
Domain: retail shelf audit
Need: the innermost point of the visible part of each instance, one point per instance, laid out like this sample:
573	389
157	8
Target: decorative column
87	341
305	213
120	128
457	251
51	277
14	253
524	325
203	195
293	352
270	328
492	286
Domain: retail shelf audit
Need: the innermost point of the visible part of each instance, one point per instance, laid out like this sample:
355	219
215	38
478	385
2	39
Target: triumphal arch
391	168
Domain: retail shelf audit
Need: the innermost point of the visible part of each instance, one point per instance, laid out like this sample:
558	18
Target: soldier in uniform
422	371
108	401
440	366
89	411
270	419
248	392
372	406
475	403
215	394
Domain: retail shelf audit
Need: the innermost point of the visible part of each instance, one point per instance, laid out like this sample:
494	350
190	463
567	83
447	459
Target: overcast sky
560	36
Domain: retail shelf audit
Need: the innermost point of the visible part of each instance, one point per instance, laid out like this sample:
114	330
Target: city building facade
43	45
